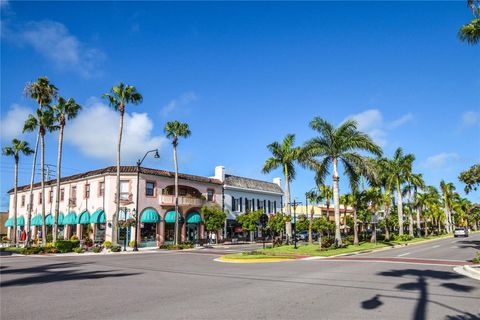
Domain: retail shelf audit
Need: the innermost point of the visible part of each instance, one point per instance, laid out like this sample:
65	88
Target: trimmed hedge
66	245
181	246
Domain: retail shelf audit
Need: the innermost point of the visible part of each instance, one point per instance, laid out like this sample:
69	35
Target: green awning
194	217
49	220
20	221
61	217
71	218
9	222
150	216
98	217
36	221
84	218
170	217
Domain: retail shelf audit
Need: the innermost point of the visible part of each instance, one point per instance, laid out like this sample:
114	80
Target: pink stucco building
87	204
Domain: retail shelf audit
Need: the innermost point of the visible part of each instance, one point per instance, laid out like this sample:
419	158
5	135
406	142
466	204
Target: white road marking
403	254
436	246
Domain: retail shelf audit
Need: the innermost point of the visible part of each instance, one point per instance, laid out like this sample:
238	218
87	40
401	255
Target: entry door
192	232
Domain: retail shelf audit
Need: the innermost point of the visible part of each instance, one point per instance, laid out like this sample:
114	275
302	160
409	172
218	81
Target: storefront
194	219
149	221
98	219
70	221
85	229
170	225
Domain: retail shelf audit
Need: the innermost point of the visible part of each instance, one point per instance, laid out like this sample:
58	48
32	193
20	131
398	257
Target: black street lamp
137	214
295	203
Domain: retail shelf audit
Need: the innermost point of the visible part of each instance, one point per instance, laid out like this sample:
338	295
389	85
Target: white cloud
181	102
54	42
372	122
470	118
11	125
440	160
95	133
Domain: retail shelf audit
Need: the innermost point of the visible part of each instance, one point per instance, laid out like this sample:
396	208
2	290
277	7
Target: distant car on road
460	232
303	236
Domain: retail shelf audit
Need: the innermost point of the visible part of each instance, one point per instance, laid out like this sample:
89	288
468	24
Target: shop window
210	193
150	189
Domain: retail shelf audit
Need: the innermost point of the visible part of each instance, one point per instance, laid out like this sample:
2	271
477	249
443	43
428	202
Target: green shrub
116	248
107	244
74	237
97	249
66	245
254	252
50	248
477	258
78	250
186	245
402	238
88	242
131	244
49	238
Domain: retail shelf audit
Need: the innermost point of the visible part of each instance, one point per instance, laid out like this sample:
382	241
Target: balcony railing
169	200
125	198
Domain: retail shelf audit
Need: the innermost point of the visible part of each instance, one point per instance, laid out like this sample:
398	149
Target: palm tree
350	200
448	192
420	203
175	130
383	167
399	169
118	98
339	145
17	148
284	155
64	110
313	197
44	120
43	92
414	182
470	32
325	194
343	201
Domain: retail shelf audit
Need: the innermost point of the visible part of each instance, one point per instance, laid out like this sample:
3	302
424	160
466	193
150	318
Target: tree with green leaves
399	169
350	200
249	221
276	223
214	218
43	121
325	193
15	150
175	130
284	155
410	191
118	98
471	178
470	32
334	146
448	192
64	110
312	197
43	92
323	226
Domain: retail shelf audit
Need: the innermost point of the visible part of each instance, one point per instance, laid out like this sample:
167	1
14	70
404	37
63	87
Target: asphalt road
171	285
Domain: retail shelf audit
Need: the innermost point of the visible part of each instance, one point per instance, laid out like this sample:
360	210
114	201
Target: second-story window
39	198
74	193
124	190
87	191
62	194
101	189
23	201
50	196
150	188
210	193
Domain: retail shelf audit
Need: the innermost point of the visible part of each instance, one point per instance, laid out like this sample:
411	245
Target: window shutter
241	204
275	206
264	206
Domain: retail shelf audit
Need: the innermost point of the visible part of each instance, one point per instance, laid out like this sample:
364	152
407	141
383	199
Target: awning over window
71	218
49	220
20	221
61	217
36	220
9	222
150	216
170	217
194	217
98	217
84	218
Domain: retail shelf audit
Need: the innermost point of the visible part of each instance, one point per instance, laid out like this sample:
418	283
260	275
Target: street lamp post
137	213
295	204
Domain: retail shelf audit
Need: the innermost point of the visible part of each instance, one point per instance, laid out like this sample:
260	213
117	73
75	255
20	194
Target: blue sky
243	75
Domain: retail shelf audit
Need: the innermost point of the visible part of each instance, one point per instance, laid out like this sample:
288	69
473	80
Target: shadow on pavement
420	284
57	272
475	244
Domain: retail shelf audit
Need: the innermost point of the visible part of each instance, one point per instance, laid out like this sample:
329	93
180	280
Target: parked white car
460	232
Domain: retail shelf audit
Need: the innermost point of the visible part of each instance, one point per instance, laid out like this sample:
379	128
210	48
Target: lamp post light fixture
295	203
137	213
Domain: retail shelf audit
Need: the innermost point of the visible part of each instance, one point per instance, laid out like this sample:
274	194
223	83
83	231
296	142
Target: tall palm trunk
30	196
310	226
15	237
387	215
338	236
57	196
355	227
44	227
119	147
175	160
287	195
345	219
410	215
399	209
419	229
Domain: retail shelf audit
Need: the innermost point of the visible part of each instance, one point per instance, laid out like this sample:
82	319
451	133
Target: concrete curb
468	271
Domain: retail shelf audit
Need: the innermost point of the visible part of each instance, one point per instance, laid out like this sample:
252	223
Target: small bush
477	258
74	237
402	238
116	248
88	242
97	249
107	244
131	244
254	252
186	245
78	250
66	245
50	248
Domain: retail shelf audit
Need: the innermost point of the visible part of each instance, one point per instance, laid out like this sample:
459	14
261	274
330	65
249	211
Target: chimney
220	173
278	181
